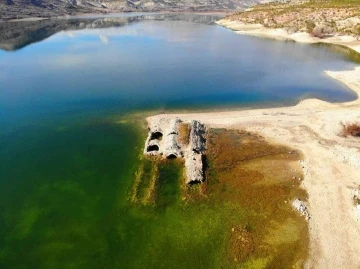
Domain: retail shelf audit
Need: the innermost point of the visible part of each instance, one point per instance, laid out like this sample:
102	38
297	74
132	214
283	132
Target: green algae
82	197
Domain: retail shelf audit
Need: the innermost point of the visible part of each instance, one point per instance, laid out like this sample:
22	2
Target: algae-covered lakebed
80	197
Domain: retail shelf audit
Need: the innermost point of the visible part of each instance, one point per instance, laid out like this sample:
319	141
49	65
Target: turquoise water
66	167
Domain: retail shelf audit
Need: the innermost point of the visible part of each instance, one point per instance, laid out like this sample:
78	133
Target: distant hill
320	18
19	34
18	9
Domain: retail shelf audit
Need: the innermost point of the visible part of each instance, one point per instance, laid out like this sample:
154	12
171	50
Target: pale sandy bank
282	34
331	163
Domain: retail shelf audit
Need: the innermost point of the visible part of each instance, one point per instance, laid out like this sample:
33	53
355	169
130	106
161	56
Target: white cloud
104	39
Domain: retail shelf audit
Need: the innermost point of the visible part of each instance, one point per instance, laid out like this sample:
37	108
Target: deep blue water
150	64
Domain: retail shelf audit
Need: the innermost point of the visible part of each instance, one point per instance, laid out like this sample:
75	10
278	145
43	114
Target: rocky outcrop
197	146
171	146
197	137
194	168
18	9
154	141
163	141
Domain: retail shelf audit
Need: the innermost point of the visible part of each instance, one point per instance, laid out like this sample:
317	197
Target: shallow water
67	170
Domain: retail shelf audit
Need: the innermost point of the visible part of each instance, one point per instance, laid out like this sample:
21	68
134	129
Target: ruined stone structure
163	140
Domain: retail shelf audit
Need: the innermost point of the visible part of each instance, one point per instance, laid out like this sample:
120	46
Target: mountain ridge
21	9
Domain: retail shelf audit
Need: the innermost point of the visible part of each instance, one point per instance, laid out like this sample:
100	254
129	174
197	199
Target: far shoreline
281	34
99	14
258	30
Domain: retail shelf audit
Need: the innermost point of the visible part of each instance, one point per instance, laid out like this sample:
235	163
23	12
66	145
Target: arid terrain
319	18
19	9
331	166
331	162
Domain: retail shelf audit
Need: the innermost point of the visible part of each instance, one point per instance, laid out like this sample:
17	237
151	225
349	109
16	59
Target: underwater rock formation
163	140
194	168
197	136
172	149
193	158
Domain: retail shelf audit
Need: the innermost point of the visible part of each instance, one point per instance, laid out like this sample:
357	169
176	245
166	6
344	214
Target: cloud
63	61
104	39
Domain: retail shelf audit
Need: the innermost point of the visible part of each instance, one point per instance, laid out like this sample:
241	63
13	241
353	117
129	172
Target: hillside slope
320	18
18	9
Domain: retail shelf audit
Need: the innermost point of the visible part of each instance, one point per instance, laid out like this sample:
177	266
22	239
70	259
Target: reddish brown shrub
352	129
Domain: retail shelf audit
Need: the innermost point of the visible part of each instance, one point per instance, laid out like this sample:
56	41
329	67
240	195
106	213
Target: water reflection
166	61
16	35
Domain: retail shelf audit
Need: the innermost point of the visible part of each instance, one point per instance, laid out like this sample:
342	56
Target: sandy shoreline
281	34
331	162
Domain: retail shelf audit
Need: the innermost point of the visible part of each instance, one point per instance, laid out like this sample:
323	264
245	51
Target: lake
69	147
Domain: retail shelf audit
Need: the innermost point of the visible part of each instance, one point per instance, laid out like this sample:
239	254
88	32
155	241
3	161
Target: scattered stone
304	167
301	207
356	197
356	193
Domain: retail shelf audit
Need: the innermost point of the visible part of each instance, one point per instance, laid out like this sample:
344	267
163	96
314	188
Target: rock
194	167
153	147
356	193
357	212
156	125
301	207
197	136
172	148
153	142
193	158
13	9
163	137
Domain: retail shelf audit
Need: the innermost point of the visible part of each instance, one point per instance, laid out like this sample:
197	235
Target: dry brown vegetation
351	129
184	133
320	18
244	168
250	183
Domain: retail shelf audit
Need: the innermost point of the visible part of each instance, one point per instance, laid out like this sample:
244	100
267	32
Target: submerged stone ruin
164	140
